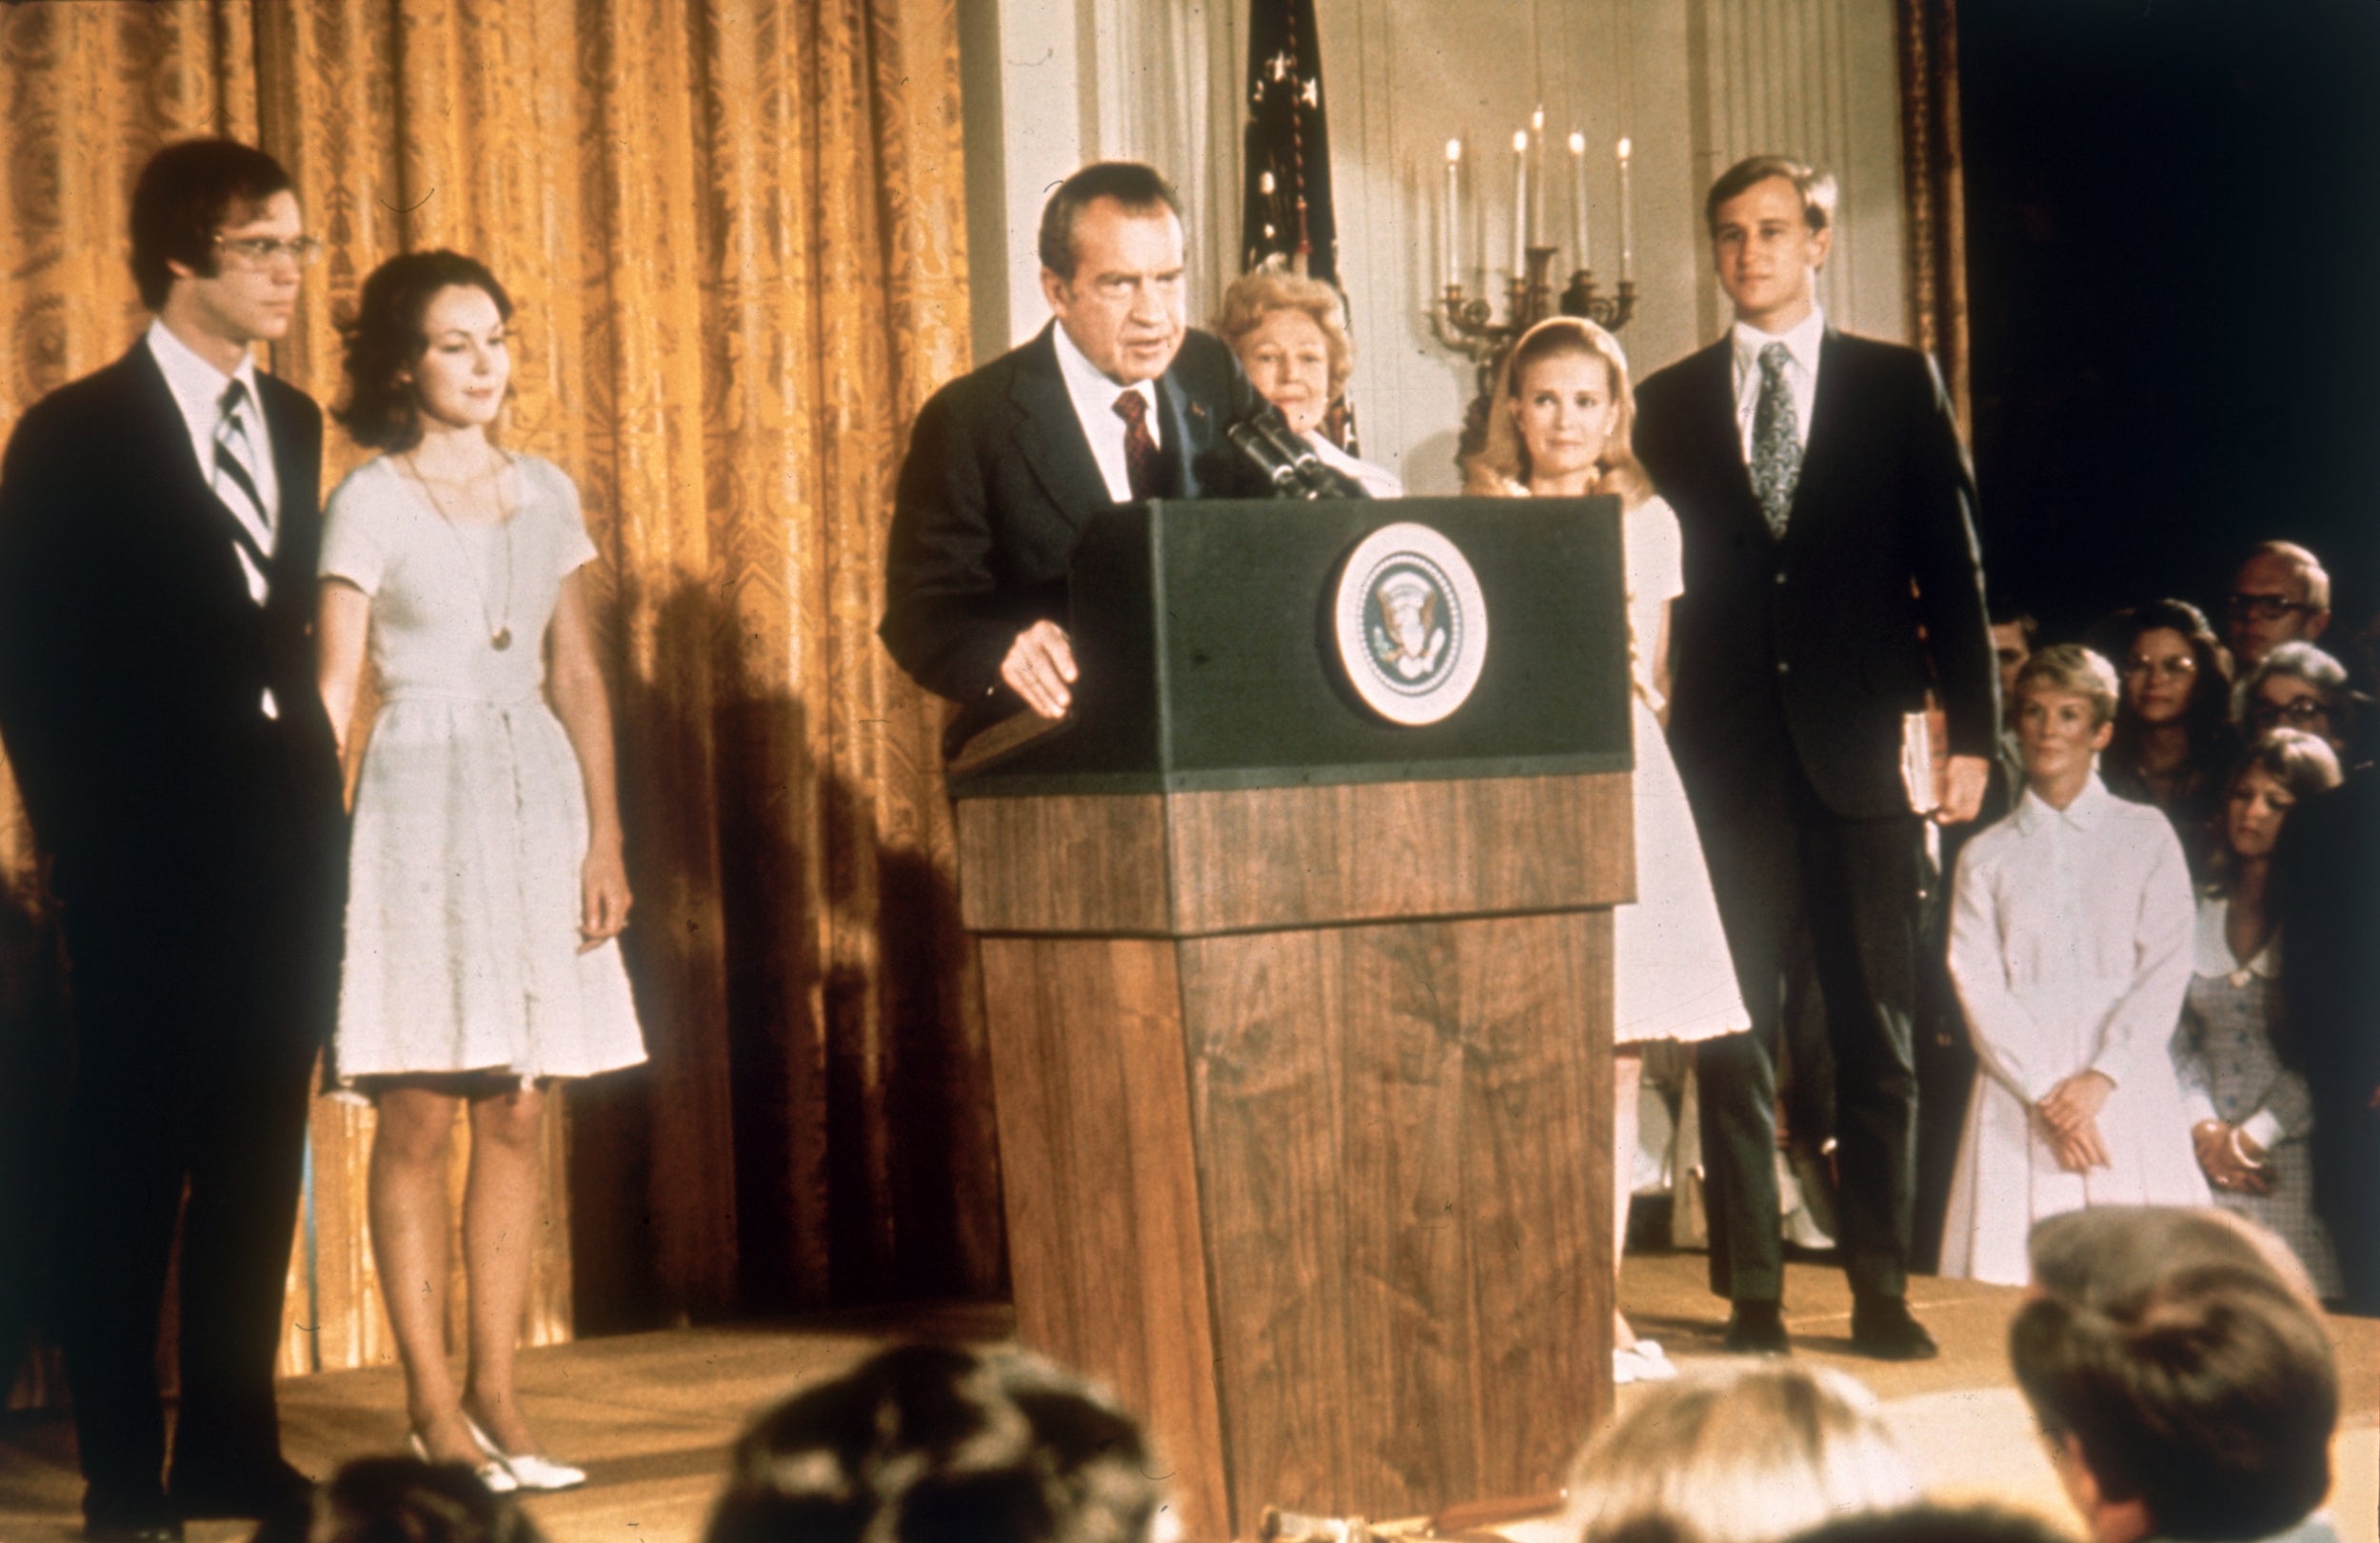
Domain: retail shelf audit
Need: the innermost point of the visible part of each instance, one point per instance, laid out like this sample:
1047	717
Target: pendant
500	640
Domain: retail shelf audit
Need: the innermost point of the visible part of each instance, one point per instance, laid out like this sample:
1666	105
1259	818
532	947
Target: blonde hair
2076	671
1503	462
1254	296
1747	1456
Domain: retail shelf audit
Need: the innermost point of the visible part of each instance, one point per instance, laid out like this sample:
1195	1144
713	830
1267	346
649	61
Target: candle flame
1578	142
1520	140
1537	119
1623	150
1454	149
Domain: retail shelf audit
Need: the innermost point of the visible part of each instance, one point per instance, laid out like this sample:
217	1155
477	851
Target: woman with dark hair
2173	739
1559	429
927	1443
2250	1114
487	883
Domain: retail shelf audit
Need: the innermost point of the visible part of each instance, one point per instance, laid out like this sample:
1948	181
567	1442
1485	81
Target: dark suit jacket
998	480
133	662
1874	593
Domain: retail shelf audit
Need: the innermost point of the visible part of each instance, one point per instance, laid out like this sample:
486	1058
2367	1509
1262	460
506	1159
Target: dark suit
1793	662
198	859
998	482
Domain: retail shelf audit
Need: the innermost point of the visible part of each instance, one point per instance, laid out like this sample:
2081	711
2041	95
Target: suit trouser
1789	874
2346	1150
196	1036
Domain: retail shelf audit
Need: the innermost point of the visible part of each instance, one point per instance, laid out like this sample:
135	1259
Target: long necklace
499	629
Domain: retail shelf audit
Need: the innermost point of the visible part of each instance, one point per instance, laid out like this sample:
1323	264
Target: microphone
1287	462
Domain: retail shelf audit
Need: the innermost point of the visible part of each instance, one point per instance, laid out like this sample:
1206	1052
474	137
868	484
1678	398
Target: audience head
1771	221
2174	671
426	338
2066	704
935	1444
2014	636
2279	594
1291	335
1112	265
2277	774
1563	409
1747	1456
2185	1392
2109	1253
403	1500
198	208
1931	1523
2296	685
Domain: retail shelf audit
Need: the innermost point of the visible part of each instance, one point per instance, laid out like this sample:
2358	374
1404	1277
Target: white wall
1696	84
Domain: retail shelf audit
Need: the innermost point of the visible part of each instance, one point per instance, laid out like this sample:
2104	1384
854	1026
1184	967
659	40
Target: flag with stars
1287	206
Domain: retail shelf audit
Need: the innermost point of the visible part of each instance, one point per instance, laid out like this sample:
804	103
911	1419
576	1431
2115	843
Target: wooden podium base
1330	1205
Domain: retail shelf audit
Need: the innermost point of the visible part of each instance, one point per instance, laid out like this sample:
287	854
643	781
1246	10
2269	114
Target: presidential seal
1412	626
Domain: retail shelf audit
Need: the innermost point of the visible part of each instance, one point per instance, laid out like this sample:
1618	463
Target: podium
1300	1016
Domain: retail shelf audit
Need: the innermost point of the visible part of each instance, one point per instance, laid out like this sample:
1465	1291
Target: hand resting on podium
1040	667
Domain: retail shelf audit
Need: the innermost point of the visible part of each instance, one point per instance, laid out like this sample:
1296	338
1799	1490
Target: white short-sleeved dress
470	813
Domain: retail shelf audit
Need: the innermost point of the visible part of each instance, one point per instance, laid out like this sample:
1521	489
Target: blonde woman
1558	428
1747	1455
1291	335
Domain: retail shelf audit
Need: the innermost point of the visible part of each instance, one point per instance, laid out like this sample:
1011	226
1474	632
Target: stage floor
651	1415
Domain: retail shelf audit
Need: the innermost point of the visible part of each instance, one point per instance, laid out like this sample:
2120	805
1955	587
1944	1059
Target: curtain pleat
734	233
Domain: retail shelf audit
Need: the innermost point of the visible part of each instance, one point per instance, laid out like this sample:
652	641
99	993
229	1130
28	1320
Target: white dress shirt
198	386
1094	397
1801	375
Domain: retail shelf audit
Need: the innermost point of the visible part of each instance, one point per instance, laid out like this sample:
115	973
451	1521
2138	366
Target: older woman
2173	740
2298	687
1290	333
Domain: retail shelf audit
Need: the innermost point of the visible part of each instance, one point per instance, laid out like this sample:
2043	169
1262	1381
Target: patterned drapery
1934	191
735	232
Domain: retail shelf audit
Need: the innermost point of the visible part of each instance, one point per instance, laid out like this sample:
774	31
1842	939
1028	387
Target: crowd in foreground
2175	1361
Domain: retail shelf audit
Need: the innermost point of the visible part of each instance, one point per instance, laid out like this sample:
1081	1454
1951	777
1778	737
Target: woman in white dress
486	884
2070	929
1558	428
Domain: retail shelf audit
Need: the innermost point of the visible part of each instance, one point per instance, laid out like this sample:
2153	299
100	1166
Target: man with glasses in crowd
158	524
2280	594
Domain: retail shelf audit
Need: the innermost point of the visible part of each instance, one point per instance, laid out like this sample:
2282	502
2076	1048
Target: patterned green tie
1776	443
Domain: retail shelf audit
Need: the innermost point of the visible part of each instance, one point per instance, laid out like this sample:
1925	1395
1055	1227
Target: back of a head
2111	1253
936	1444
403	1500
1938	1524
1747	1456
2210	1395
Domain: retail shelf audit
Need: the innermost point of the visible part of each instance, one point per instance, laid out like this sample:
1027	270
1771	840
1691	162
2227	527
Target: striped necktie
1145	464
235	482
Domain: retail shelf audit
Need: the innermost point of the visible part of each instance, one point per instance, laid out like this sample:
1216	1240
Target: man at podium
1114	401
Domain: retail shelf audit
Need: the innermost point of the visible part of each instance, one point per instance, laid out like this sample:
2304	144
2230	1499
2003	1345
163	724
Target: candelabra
1467	324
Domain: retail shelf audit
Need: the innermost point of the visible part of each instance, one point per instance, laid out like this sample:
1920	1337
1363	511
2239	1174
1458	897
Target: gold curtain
734	230
1933	190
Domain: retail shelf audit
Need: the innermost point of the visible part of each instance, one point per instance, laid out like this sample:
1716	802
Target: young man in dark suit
159	524
1832	579
1116	399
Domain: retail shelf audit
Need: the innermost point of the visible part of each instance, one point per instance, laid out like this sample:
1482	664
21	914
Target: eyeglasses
261	252
2179	668
2295	710
2264	607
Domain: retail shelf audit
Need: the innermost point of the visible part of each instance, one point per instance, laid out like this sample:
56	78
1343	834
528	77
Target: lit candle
1537	177
1627	219
1579	197
1521	206
1453	221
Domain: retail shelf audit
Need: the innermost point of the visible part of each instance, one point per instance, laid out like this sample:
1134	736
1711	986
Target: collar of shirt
197	386
2090	807
2211	947
1803	342
1094	396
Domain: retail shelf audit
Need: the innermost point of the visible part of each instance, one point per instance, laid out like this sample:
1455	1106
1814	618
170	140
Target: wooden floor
651	1415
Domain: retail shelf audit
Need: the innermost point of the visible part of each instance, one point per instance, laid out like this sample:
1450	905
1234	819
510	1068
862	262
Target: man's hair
1816	189
2310	573
186	193
383	339
1934	1523
2077	671
2003	612
1138	188
926	1442
2210	1394
2108	1253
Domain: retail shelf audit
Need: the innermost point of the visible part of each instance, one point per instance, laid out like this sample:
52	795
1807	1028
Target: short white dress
470	813
1675	977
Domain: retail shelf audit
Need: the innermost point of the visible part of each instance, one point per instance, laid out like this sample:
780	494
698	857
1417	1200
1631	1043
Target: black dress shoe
122	1519
1757	1329
1882	1327
253	1493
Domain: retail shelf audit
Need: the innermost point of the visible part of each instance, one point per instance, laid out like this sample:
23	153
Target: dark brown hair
383	339
1138	188
186	193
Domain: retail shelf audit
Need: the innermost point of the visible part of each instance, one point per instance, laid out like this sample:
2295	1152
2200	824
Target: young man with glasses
158	524
2280	594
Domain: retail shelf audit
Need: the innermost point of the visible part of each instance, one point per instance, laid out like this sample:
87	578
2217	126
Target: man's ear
2099	742
1821	242
1058	290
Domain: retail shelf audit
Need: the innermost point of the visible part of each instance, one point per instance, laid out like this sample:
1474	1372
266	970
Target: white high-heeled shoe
527	1470
493	1475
